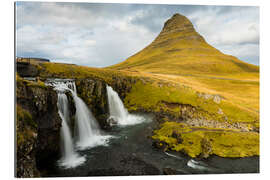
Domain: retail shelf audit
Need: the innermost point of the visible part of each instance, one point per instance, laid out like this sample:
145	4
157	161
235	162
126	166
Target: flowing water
69	158
87	132
130	152
118	112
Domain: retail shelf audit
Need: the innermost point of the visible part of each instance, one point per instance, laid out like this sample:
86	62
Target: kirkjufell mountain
179	49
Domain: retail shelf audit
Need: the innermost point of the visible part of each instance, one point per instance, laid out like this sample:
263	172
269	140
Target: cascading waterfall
118	112
87	131
69	157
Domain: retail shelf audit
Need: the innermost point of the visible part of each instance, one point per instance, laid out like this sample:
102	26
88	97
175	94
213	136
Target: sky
101	35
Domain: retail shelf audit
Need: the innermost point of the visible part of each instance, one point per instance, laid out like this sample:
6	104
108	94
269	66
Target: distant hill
179	49
31	59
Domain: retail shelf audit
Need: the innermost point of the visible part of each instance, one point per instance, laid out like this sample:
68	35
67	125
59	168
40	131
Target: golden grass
241	92
176	53
150	96
61	70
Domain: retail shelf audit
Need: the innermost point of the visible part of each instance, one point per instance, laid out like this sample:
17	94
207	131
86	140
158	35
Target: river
130	152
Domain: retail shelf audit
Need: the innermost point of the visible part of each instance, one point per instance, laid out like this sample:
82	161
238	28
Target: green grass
150	97
60	70
197	141
25	126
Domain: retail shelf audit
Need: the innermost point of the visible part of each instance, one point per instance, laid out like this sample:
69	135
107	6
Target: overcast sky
104	34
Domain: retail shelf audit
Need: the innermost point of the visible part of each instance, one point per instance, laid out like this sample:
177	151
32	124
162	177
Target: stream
130	152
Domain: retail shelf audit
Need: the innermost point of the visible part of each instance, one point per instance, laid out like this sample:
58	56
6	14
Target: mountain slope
179	49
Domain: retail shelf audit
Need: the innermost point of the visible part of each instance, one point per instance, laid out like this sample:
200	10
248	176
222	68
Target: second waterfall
87	130
118	113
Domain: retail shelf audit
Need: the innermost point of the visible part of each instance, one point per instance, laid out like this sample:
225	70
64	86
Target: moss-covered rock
38	126
26	136
202	141
93	92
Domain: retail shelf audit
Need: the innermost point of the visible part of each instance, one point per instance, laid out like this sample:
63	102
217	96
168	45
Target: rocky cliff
94	94
38	127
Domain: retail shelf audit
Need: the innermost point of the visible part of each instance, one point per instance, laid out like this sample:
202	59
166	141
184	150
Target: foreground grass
198	141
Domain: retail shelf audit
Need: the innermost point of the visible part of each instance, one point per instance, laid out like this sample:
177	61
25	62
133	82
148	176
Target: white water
198	165
69	157
87	132
118	112
172	155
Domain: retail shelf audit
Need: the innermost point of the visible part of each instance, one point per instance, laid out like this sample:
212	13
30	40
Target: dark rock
160	145
94	94
27	70
169	171
26	144
129	165
177	136
111	121
41	103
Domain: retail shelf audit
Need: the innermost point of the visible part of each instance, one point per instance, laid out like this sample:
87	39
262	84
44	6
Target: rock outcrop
38	127
93	92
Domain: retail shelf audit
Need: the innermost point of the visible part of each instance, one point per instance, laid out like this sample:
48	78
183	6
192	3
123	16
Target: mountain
179	49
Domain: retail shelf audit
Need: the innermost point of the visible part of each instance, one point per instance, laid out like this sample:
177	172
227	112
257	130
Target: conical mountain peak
179	49
177	23
178	27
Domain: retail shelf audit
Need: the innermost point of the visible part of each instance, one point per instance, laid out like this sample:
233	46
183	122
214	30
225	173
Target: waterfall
118	113
87	131
69	157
